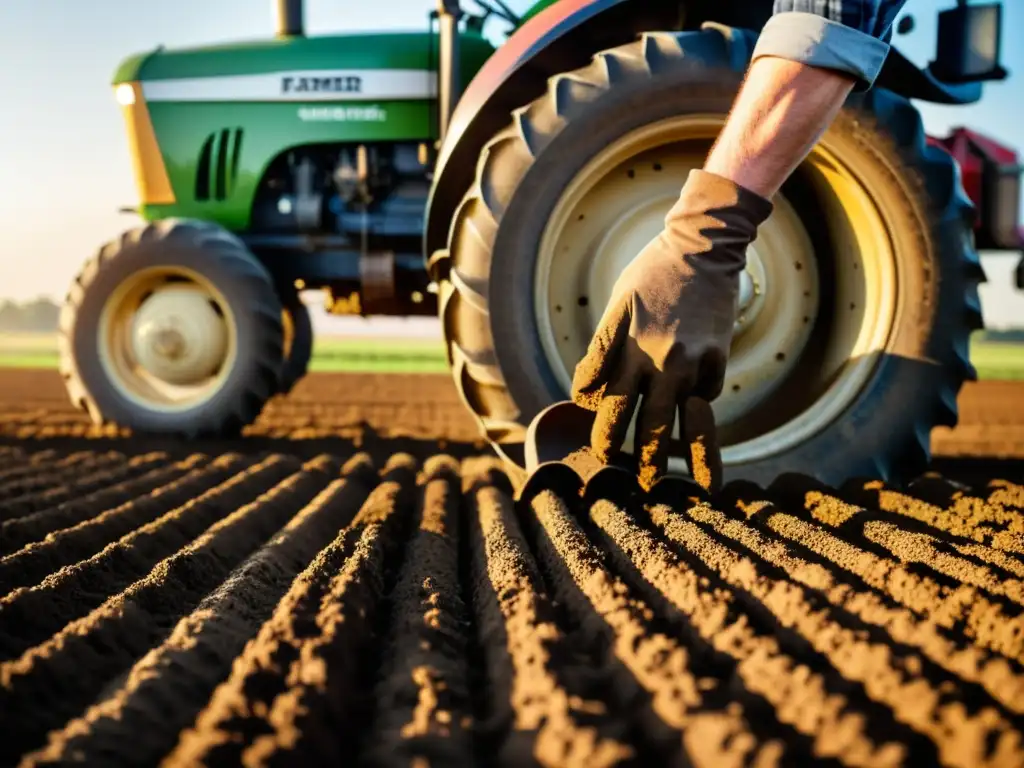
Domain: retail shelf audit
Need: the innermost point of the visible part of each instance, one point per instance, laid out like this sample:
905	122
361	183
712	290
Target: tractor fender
562	37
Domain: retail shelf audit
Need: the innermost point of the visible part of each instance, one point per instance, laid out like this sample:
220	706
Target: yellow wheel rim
167	339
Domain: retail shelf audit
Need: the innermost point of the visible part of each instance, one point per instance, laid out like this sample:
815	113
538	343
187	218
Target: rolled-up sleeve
850	36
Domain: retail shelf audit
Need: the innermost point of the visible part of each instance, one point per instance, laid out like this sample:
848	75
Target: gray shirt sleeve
850	36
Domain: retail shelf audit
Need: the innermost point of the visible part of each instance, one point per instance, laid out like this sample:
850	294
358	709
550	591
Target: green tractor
359	165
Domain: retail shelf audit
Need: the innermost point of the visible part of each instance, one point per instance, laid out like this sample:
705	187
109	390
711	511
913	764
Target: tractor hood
310	66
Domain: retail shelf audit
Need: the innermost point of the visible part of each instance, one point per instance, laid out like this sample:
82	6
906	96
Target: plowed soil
354	583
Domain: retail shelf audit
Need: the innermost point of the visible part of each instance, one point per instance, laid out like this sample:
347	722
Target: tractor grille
217	169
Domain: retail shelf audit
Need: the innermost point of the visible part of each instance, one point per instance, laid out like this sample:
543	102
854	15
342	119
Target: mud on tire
203	249
486	274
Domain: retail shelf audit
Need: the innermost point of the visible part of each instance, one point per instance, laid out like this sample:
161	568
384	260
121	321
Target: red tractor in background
991	176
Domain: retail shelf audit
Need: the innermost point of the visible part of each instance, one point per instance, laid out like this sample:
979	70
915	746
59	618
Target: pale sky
64	162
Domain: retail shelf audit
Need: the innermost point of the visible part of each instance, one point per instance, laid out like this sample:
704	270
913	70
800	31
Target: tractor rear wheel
855	309
172	329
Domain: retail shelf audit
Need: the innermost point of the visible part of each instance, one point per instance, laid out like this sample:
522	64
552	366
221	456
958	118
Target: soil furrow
54	681
293	695
801	698
985	622
15	534
907	586
1006	494
827	508
40	463
686	715
34	613
996	675
37	560
989	524
912	547
14	494
995	557
422	697
999	495
14	462
541	706
75	488
139	722
984	511
959	729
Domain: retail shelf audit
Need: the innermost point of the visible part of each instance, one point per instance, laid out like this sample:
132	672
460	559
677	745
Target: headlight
125	94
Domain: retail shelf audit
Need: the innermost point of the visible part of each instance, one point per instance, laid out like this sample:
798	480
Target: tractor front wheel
855	309
173	329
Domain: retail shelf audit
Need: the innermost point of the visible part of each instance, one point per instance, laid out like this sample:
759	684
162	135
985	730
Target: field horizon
372	353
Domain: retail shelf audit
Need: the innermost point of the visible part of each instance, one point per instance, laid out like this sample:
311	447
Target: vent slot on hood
217	167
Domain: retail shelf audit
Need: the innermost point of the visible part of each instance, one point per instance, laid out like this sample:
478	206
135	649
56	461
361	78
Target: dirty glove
666	331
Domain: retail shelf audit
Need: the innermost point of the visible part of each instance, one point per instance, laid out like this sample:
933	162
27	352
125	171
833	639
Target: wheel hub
169	344
178	337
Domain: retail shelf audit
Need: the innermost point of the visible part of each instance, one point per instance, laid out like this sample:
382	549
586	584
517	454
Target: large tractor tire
172	329
855	309
298	341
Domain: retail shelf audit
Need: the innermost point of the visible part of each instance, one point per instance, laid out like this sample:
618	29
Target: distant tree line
38	316
1009	335
41	316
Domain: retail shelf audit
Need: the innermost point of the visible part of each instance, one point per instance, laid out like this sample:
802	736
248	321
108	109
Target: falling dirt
331	590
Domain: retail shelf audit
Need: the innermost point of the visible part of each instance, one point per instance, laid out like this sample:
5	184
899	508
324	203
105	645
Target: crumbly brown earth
354	583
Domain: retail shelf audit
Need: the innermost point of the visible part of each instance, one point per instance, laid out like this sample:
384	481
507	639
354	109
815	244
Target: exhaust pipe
449	87
289	18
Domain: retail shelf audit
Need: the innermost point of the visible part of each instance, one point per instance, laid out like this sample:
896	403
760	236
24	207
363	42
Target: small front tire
172	329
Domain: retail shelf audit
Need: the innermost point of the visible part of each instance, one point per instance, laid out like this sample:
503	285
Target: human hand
666	331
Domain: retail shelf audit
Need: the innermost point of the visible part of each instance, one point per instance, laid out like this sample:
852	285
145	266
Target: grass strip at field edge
994	361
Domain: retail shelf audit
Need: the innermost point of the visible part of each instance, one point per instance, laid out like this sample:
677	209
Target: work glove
666	331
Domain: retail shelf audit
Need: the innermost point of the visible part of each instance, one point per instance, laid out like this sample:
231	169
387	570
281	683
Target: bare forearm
780	113
808	58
